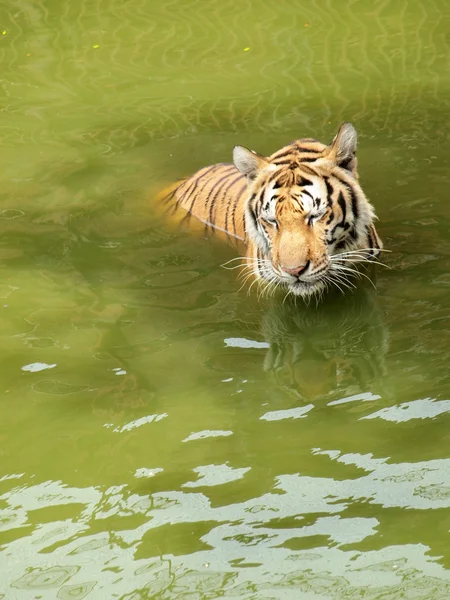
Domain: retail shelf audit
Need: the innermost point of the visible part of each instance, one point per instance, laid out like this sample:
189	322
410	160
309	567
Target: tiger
301	212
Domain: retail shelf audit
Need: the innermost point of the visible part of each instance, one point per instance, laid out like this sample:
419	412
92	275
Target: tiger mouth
305	288
297	287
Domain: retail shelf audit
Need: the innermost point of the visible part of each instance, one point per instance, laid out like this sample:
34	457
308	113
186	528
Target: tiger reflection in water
337	346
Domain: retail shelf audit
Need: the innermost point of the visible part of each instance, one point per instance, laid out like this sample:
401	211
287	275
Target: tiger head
307	219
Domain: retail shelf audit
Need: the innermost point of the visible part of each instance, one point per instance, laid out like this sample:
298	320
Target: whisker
252	284
246	274
354	272
242	266
244	259
336	258
336	280
364	250
275	284
341	277
244	283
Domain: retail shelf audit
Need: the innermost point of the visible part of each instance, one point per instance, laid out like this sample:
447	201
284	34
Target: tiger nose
297	271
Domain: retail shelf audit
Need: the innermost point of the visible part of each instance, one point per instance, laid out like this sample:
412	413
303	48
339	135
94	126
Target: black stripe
195	181
283	162
294	150
263	225
333	231
295	160
194	186
374	236
233	214
187	190
261	198
218	185
353	197
252	216
330	191
302	181
274	198
354	200
172	209
341	202
372	240
308	159
227	208
282	154
331	217
168	197
311	171
308	150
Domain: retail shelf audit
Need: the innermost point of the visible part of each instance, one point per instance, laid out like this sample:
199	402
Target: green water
163	434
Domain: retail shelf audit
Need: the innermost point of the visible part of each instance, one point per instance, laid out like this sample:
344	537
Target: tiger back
215	195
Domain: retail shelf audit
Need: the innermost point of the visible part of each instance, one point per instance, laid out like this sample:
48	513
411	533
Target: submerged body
301	212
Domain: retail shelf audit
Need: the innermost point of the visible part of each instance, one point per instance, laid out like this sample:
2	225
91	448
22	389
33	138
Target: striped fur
301	212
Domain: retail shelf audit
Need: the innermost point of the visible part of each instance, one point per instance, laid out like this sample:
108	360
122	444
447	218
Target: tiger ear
248	162
343	148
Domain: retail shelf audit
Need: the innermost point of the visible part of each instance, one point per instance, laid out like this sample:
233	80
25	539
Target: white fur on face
313	199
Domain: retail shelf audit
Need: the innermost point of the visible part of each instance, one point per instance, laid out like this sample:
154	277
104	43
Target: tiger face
306	217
